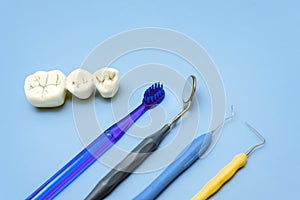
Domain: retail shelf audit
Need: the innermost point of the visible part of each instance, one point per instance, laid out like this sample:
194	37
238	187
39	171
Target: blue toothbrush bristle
154	95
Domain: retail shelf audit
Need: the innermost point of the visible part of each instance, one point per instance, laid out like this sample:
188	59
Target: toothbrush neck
119	128
125	123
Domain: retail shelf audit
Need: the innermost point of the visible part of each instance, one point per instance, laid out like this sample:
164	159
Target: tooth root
107	81
46	89
80	83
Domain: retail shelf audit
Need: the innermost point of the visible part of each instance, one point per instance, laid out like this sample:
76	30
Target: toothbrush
144	149
190	155
60	180
228	171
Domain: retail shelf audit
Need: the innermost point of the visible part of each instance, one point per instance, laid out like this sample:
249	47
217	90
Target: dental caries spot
46	89
106	81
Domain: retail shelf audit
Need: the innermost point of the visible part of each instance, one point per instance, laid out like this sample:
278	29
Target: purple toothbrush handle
86	157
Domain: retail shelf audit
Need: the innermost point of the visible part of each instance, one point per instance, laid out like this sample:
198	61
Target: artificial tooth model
106	81
46	89
80	83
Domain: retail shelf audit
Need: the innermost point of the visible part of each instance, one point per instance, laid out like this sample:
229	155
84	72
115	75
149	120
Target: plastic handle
222	177
182	162
86	157
128	164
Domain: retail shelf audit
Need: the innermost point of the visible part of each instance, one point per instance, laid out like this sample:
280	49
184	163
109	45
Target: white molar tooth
107	81
80	83
46	89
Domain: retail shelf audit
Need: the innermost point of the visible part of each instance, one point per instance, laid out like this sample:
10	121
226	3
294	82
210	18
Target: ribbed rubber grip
128	164
222	177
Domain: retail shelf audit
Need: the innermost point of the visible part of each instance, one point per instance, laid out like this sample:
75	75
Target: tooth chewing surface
106	81
46	89
80	83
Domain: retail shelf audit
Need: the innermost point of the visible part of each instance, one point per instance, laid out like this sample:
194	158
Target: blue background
255	45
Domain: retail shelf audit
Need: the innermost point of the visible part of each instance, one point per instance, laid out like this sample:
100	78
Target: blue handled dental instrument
191	154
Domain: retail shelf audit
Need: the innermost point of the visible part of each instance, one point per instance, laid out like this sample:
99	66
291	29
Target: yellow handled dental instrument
228	171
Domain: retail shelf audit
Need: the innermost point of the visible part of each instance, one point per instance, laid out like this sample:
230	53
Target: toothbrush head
153	95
